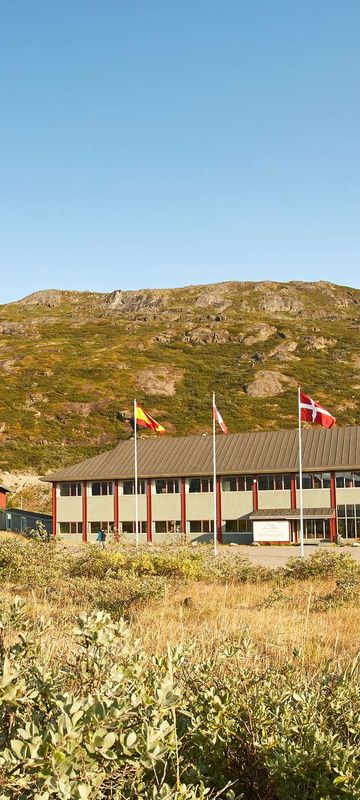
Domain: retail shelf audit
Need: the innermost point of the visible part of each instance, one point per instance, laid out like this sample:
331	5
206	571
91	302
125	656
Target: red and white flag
218	418
311	411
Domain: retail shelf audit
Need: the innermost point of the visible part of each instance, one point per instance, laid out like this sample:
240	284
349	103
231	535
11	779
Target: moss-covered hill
69	362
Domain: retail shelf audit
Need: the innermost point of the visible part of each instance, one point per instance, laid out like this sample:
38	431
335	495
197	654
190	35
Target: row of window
97	488
161	526
348	525
347	480
236	483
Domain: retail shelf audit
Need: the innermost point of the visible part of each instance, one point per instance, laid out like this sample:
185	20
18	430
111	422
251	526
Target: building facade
257	488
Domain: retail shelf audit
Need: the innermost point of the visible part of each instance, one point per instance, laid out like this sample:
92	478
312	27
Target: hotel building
257	488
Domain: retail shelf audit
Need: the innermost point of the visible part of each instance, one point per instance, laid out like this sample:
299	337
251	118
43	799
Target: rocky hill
71	361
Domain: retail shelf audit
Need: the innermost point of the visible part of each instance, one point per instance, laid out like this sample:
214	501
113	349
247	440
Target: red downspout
84	511
255	494
54	520
333	521
183	508
218	510
149	511
293	505
116	511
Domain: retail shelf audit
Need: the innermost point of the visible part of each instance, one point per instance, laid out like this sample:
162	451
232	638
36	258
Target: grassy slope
70	352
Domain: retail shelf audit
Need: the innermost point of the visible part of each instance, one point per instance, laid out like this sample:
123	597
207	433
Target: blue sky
160	143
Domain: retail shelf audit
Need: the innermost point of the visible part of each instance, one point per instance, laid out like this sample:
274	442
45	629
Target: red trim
255	494
183	507
293	505
333	521
218	509
2	499
116	511
149	511
84	511
54	519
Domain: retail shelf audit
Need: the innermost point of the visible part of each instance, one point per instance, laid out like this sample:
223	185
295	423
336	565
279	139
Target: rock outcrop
268	383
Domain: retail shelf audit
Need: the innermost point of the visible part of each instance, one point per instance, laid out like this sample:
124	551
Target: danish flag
311	411
218	418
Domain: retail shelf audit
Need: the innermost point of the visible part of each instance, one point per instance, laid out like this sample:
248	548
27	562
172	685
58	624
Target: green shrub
110	723
29	563
178	563
238	569
347	590
322	564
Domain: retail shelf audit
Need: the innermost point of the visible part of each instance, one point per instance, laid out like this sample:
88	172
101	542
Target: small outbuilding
19	521
3	492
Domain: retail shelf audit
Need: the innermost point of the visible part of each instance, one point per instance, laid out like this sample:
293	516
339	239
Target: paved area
278	556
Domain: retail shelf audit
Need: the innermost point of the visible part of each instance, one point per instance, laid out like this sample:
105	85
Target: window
70	527
70	489
273	482
168	486
316	528
240	483
168	526
129	487
64	527
347	480
129	527
316	480
200	485
101	488
349	521
201	526
238	526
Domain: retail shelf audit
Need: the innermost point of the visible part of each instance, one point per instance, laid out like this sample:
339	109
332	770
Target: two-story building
257	488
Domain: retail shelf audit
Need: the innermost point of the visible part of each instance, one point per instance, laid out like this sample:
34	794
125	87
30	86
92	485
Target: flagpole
136	480
214	477
301	482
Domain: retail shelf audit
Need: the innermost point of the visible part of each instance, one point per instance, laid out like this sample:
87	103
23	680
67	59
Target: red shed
3	492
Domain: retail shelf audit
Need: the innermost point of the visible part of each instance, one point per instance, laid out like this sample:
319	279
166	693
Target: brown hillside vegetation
71	361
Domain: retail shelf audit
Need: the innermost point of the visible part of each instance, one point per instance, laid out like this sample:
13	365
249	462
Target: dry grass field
166	675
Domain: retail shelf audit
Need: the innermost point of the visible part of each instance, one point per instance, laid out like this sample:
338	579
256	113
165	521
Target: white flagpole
214	477
136	480
301	483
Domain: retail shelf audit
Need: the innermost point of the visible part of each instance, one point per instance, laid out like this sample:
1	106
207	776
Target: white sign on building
271	531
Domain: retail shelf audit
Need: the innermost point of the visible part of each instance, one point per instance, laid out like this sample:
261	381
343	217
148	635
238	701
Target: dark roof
25	513
237	453
294	513
4	488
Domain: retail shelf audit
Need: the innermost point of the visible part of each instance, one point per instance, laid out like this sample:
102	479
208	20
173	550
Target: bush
30	563
322	564
97	563
107	723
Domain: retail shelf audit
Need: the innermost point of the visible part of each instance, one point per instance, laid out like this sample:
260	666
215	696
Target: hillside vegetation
71	361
